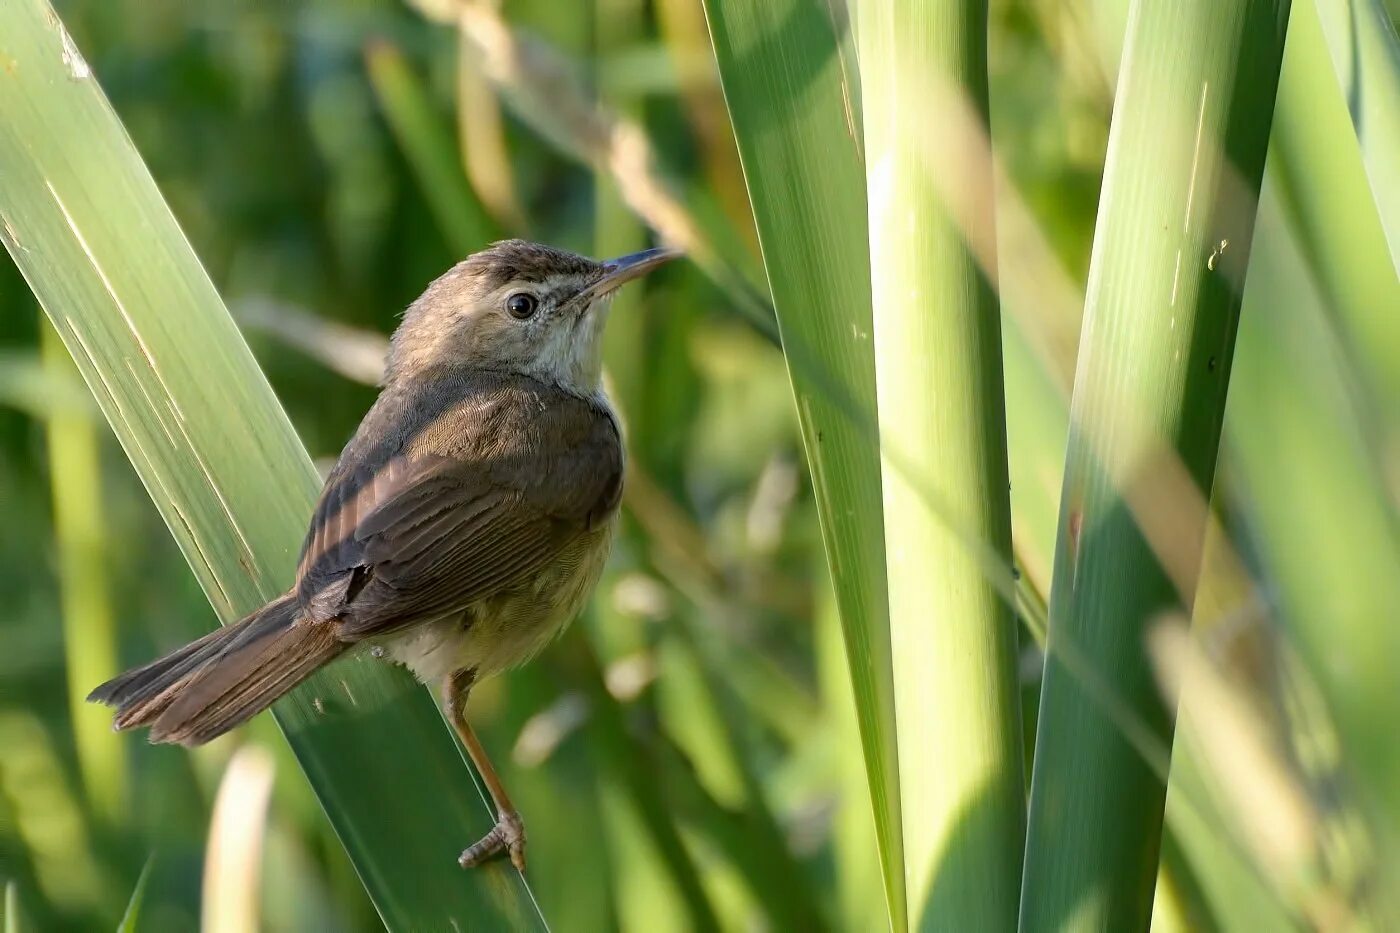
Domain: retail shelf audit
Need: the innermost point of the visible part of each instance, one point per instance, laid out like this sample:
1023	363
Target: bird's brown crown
508	261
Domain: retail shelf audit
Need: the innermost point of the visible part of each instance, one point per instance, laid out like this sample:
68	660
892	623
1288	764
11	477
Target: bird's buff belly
510	628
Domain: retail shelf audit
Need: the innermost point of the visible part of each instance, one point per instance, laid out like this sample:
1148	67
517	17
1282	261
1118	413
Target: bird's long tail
199	692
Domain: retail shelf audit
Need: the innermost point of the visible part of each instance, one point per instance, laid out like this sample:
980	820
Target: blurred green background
327	159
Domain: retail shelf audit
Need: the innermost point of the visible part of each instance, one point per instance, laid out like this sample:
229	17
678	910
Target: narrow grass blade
13	923
619	755
89	630
29	385
1185	157
231	897
427	143
49	824
83	220
789	80
627	356
858	880
481	139
751	837
681	24
132	916
617	231
943	432
750	842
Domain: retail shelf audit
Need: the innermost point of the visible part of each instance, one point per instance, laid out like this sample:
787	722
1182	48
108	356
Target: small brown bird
462	528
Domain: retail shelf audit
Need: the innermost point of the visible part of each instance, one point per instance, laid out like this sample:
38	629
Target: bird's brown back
458	484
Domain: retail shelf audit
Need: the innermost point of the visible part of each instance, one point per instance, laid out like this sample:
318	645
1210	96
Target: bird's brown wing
485	497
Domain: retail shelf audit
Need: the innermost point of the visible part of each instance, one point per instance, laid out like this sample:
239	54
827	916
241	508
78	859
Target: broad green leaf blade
84	222
1325	534
1320	163
1366	55
1185	157
937	340
1314	151
1240	900
1037	426
788	76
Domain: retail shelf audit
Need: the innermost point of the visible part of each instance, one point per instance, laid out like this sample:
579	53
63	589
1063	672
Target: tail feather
245	682
131	693
209	686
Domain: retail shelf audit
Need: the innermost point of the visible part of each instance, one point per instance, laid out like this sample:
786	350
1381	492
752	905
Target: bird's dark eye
522	305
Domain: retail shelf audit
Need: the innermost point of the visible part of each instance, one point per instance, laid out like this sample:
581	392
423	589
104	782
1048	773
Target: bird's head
518	307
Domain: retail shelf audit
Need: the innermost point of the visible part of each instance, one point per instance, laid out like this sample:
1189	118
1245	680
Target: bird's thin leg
508	835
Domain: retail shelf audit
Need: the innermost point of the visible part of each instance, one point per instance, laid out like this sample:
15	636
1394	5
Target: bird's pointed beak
634	265
617	272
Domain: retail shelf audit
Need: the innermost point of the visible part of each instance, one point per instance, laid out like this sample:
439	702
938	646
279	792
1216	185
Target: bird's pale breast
510	628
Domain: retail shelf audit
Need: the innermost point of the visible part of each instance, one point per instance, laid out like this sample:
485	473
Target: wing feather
468	500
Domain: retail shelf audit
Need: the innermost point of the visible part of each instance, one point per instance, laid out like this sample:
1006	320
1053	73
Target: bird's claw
508	835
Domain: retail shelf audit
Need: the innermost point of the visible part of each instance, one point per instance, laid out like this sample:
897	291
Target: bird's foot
508	835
